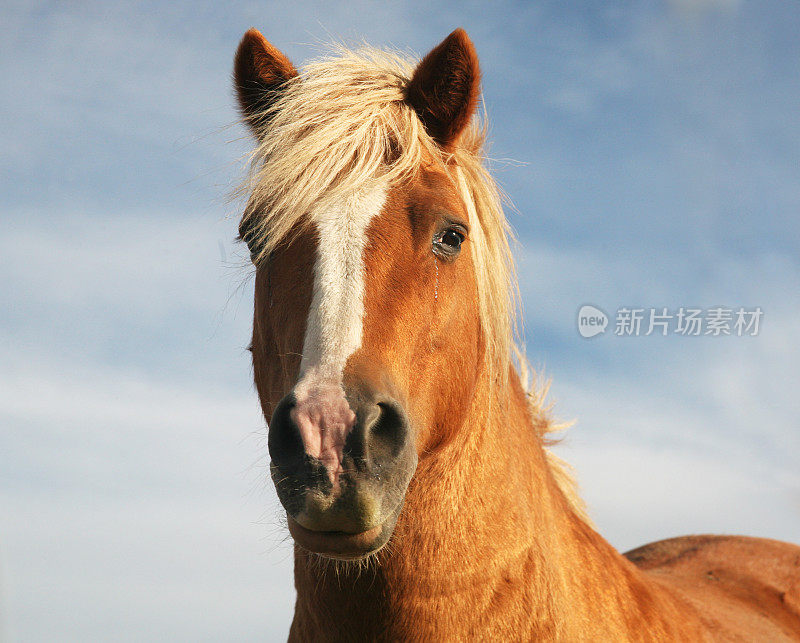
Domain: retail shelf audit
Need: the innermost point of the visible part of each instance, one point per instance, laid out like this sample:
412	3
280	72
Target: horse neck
484	523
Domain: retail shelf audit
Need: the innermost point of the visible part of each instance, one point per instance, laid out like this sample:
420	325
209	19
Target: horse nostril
284	441
387	433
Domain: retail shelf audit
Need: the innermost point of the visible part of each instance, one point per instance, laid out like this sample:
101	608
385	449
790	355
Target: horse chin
340	545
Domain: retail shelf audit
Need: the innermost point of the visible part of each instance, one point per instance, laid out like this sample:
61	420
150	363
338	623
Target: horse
407	447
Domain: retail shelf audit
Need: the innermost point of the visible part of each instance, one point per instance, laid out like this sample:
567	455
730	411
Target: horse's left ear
445	87
260	71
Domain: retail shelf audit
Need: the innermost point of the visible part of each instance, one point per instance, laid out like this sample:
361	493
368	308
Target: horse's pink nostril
324	419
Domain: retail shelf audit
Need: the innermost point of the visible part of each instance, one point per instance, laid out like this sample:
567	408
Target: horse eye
447	243
453	239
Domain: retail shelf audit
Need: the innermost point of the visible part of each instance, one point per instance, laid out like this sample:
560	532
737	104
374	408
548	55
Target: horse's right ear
259	73
444	88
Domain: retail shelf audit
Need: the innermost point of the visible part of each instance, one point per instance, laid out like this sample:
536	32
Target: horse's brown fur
488	545
445	88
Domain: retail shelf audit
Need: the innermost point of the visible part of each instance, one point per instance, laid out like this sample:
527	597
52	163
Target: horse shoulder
744	588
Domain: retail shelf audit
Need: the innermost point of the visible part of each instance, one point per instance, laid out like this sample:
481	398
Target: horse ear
259	72
444	88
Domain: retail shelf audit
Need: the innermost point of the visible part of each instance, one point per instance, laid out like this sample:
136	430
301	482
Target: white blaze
335	319
335	323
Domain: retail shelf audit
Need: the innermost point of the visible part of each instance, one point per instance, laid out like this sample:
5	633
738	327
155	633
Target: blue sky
651	151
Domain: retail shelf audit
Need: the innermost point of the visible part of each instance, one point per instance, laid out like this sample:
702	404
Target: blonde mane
343	124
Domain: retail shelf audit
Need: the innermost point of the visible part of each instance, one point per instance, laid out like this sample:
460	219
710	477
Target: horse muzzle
341	464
